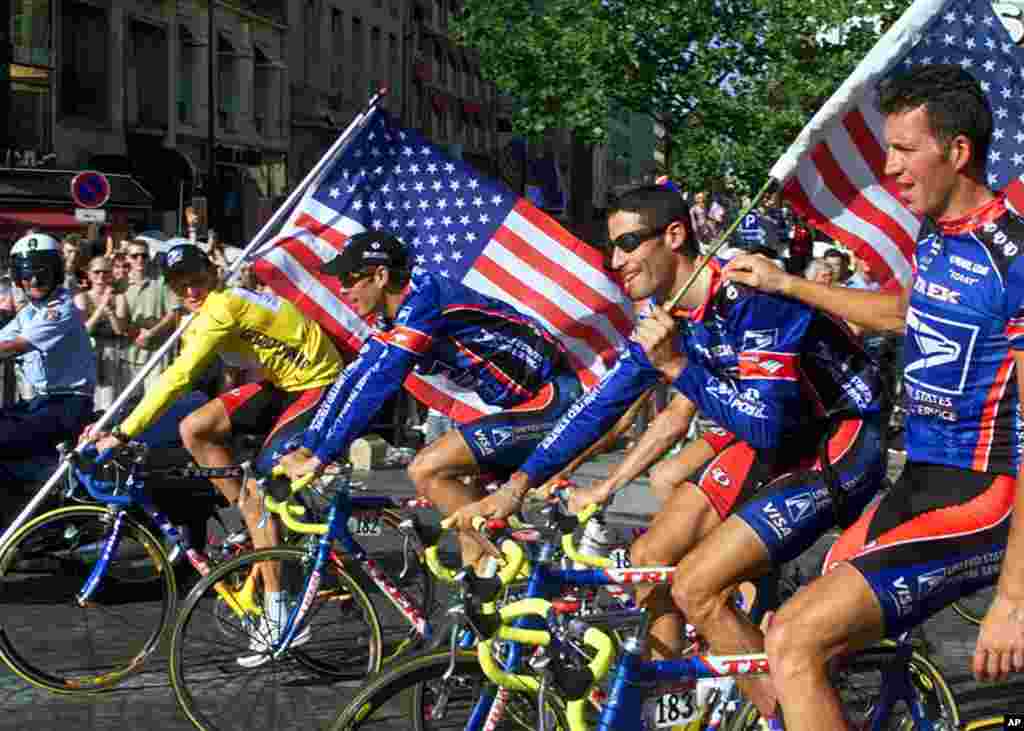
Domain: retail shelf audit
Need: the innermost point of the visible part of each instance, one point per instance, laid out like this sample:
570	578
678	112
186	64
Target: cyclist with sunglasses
50	338
800	403
439	327
298	361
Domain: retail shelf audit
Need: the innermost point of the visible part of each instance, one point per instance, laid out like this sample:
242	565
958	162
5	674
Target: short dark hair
953	100
657	206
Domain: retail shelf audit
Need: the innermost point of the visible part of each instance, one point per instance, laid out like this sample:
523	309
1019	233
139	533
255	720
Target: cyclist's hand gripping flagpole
312	178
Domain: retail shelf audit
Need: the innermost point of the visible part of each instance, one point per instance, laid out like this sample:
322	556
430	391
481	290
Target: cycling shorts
790	506
502	442
938	535
256	407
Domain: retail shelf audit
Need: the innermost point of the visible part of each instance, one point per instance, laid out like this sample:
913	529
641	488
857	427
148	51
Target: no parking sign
90	189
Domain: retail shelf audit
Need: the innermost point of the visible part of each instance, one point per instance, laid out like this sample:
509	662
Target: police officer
57	359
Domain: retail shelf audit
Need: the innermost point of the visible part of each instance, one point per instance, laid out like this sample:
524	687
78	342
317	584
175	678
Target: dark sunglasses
136	255
631	240
350	279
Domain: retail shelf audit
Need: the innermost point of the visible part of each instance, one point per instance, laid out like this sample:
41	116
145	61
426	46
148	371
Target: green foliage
733	81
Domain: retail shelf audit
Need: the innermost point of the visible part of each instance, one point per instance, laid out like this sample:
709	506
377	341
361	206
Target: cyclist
944	528
439	326
800	403
242	326
58	361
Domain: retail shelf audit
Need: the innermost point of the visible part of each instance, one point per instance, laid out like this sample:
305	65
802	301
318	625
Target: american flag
458	224
833	173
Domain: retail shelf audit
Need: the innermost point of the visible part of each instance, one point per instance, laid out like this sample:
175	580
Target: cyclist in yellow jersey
293	353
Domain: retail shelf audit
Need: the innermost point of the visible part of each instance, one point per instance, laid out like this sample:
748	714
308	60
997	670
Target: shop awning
45	220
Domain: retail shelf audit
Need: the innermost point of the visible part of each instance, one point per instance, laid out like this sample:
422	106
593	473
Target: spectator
106	320
820	271
120	268
840	262
151	313
74	263
699	220
862	277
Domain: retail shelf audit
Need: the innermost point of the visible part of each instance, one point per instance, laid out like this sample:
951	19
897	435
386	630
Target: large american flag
458	224
833	173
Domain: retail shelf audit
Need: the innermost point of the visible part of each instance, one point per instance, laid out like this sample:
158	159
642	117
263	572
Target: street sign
90	189
90	215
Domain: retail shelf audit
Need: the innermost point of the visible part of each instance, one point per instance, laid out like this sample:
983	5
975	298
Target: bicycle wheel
60	645
417	691
299	688
989	723
858	681
973	607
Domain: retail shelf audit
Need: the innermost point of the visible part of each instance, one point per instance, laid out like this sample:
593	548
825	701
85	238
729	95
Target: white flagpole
281	213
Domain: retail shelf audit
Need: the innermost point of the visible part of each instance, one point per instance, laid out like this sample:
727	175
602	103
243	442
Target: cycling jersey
292	352
965	318
442	327
761	366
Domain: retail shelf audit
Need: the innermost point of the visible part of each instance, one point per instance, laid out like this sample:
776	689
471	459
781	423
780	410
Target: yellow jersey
291	350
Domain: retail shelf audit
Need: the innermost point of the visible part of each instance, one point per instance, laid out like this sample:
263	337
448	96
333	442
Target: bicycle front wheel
422	692
55	642
859	678
219	689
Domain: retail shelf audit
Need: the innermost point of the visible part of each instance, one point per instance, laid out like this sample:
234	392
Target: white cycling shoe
262	639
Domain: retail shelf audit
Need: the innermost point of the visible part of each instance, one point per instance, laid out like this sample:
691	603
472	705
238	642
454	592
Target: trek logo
936	291
902	596
938	351
760	339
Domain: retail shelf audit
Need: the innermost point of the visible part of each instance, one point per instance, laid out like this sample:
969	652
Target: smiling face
193	288
364	289
924	170
649	269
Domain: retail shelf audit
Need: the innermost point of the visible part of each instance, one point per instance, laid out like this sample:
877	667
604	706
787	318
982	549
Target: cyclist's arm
668	427
874	311
205	336
357	396
589	417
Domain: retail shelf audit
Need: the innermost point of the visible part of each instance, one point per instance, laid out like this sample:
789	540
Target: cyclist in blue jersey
946	528
800	403
438	326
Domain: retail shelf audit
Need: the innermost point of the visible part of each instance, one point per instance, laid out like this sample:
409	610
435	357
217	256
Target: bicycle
101	571
326	603
905	675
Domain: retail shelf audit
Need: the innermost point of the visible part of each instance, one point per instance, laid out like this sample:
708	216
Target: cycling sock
277	608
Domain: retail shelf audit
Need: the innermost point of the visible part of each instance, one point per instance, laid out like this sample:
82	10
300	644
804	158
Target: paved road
147	700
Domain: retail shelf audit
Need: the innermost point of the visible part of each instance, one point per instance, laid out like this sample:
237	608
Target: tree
733	81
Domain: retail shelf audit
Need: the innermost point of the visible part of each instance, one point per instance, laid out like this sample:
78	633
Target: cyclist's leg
206	434
938	534
776	525
496	444
693	511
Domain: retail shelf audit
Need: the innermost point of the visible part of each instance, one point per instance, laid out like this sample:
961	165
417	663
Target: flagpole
769	185
281	213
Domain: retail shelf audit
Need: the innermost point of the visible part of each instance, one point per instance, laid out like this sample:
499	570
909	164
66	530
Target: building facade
123	86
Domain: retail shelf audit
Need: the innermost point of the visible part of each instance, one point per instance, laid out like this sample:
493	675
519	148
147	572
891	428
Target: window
440	64
453	72
337	48
30	32
394	73
266	92
227	85
311	27
145	76
84	62
30	117
357	59
188	60
395	10
376	51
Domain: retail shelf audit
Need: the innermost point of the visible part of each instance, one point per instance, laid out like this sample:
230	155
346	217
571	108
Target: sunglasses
632	240
350	279
101	271
136	255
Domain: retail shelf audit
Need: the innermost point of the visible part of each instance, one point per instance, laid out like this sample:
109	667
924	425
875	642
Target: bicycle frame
343	506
